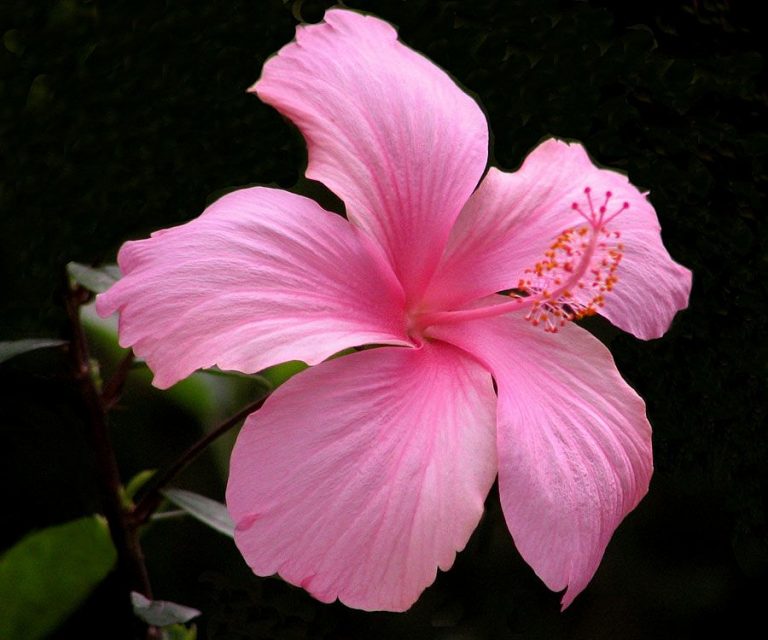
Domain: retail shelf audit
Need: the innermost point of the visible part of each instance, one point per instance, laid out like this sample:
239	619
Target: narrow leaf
208	511
137	482
11	348
161	612
96	279
46	575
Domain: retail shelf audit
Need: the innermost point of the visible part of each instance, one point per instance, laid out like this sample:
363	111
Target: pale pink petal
513	218
574	443
361	476
264	276
387	130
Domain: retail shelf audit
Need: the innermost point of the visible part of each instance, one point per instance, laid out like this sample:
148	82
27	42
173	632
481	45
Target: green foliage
281	372
137	482
47	574
179	632
207	511
161	613
94	279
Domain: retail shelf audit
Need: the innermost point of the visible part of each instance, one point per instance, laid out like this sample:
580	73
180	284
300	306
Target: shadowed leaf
96	279
46	575
161	612
208	511
12	348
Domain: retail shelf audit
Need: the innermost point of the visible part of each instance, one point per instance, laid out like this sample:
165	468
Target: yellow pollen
577	270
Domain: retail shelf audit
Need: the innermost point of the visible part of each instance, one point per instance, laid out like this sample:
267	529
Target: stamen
571	280
577	270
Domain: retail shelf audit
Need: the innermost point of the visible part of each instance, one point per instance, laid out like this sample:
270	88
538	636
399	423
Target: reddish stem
125	536
151	500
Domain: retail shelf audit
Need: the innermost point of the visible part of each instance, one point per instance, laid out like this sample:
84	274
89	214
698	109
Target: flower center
570	281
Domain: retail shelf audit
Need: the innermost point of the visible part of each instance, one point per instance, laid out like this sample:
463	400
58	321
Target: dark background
123	117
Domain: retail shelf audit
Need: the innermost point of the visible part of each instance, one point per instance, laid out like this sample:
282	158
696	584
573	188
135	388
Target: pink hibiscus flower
362	475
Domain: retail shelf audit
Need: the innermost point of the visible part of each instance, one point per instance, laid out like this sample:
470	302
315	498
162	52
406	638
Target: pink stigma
597	218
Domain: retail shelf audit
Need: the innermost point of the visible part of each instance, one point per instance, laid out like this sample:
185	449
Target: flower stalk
125	521
152	498
125	536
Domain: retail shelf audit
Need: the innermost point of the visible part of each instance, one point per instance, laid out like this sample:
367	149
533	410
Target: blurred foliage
47	574
95	280
118	118
161	613
207	511
12	348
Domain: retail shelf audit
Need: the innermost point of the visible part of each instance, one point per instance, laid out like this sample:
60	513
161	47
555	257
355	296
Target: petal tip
163	382
568	597
104	305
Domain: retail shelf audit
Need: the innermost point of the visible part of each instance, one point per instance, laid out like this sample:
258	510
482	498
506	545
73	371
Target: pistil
569	282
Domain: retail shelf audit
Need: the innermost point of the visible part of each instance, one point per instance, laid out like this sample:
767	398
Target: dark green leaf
208	511
46	575
96	279
215	371
161	612
137	482
12	348
279	373
179	632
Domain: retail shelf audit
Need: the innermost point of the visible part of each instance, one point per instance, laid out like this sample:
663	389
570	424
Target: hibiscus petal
262	277
574	443
360	477
386	130
513	218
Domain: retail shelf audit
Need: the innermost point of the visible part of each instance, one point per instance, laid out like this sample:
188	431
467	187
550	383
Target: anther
577	270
